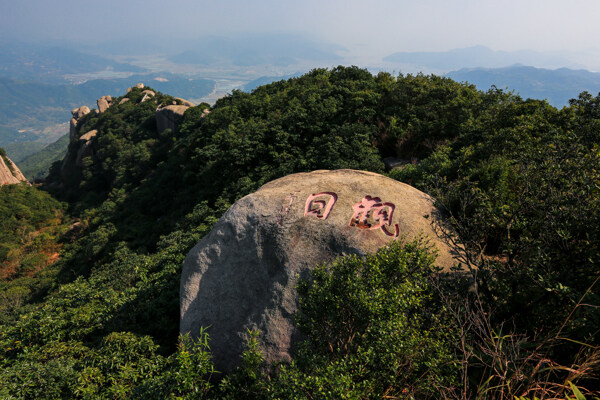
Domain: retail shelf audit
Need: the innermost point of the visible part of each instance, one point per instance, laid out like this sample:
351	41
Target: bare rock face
77	113
137	86
80	112
148	94
124	100
185	102
242	275
9	172
86	148
167	117
73	128
104	103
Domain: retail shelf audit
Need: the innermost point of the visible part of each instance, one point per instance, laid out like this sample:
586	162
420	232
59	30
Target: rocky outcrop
104	103
185	102
242	275
124	100
137	86
77	114
86	148
9	172
80	112
167	117
148	94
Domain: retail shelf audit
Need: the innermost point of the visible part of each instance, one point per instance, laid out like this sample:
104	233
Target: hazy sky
369	28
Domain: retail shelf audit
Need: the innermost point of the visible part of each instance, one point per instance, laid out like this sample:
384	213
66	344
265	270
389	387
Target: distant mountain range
558	86
51	64
476	56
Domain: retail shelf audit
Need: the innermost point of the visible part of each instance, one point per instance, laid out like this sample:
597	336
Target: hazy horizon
366	32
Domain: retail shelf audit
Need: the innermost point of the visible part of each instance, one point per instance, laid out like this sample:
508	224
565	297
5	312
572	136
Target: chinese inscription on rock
370	213
320	204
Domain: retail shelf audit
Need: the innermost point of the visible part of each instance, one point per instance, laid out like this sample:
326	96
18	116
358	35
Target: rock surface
80	112
86	147
104	103
242	275
77	113
167	117
185	102
9	172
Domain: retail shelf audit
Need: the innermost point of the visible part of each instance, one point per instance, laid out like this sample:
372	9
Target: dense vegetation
518	178
31	224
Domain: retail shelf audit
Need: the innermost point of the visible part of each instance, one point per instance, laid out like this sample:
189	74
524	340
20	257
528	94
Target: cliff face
9	172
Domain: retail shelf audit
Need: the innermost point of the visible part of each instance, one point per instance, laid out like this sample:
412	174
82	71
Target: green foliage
518	178
31	224
373	329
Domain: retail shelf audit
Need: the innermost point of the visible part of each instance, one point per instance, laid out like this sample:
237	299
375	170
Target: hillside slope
557	86
518	178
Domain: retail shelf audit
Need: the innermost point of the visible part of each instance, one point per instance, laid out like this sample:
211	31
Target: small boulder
243	274
137	86
89	135
167	117
124	100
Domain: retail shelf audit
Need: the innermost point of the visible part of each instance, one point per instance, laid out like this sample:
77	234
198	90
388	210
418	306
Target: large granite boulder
167	117
242	275
185	102
104	103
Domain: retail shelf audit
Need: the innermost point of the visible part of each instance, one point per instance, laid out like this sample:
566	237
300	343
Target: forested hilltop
518	179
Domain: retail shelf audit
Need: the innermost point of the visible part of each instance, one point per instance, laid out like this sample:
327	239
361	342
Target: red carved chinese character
320	204
371	213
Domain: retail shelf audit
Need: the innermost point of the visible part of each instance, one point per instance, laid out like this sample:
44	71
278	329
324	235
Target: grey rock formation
86	147
167	117
77	113
137	86
9	172
185	102
243	274
104	103
148	94
72	128
80	112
